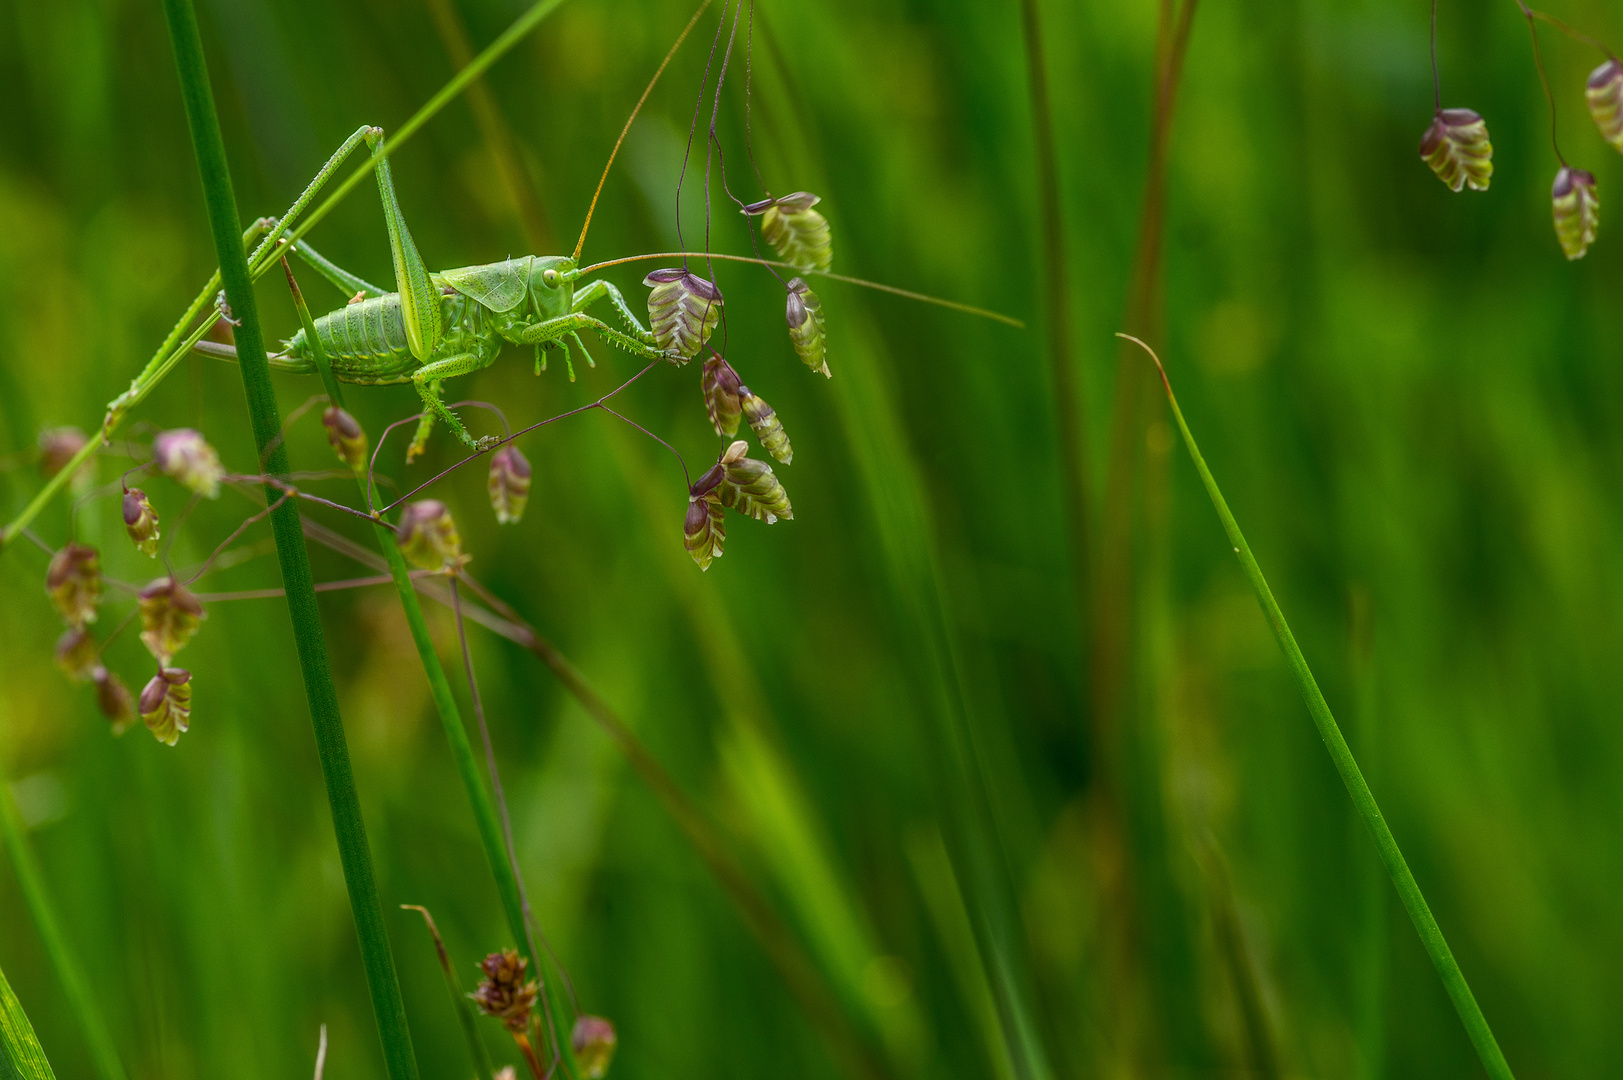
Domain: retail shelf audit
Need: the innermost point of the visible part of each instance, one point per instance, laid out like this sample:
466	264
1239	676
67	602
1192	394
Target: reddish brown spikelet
57	446
170	615
593	1039
509	484
503	992
73	582
114	700
1456	147
77	654
166	704
720	385
141	522
347	437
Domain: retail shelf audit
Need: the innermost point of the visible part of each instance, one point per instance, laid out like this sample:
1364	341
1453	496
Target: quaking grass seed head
347	437
73	582
1604	95
114	700
804	313
170	615
186	457
704	530
763	420
720	385
593	1039
683	310
428	538
141	522
1575	205
166	704
509	484
503	992
1456	147
796	232
77	654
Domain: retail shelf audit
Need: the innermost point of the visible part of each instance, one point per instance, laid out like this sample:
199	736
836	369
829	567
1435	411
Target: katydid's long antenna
683	36
693	127
923	298
749	71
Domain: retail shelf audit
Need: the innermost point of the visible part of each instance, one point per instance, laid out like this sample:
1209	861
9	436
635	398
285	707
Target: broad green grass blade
31	882
1431	935
331	742
20	1055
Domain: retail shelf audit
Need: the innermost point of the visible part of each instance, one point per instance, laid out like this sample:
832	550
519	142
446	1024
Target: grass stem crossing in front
1414	902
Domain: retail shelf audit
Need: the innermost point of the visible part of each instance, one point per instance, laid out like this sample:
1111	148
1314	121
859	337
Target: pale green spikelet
141	522
73	582
749	487
1456	147
170	615
1576	206
1604	93
805	316
166	704
763	420
509	484
720	385
796	232
683	309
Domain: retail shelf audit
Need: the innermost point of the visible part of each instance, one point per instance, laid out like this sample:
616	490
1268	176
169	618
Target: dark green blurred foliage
1406	393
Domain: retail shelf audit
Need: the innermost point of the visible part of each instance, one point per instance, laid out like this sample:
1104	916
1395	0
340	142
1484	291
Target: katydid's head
552	283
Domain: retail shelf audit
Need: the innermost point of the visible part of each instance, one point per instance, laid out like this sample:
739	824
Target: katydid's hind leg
596	291
419	299
427	380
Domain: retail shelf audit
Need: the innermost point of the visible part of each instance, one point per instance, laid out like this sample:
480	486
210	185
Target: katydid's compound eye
550	277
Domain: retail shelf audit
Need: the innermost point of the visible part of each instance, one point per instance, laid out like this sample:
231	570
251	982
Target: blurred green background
1411	399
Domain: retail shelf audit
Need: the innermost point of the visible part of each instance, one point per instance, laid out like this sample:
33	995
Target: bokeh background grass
1411	399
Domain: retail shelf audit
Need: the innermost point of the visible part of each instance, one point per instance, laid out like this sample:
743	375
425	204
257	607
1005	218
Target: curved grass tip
1456	147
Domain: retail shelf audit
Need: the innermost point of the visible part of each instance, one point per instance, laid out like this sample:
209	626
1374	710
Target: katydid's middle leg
427	380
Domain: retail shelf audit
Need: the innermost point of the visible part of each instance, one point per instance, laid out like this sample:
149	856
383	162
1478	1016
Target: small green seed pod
141	522
805	315
77	654
749	487
1456	147
166	704
73	582
114	700
763	420
509	484
720	385
503	993
593	1040
796	232
184	456
1604	93
428	537
704	531
683	309
1576	207
347	437
170	615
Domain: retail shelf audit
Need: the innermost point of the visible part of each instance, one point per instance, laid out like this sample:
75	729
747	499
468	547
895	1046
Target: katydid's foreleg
591	294
427	380
554	330
419	299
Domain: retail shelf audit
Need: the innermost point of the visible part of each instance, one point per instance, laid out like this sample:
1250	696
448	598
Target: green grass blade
31	882
20	1055
331	743
1431	936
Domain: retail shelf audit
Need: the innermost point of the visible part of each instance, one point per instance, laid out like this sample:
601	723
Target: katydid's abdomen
365	342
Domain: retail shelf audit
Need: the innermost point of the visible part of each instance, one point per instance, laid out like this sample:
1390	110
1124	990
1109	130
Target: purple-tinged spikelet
805	316
347	437
509	484
1456	147
141	522
427	536
1604	93
166	704
720	385
796	232
749	487
683	309
57	446
114	700
593	1040
170	615
186	457
77	654
1576	207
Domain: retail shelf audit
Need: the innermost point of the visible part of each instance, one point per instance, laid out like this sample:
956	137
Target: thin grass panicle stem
1431	935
